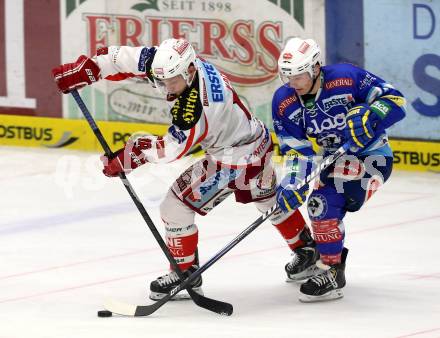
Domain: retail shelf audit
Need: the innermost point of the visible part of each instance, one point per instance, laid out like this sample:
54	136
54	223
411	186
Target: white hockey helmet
172	58
297	57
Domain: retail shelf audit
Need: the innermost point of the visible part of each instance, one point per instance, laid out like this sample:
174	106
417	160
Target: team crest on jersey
317	206
329	140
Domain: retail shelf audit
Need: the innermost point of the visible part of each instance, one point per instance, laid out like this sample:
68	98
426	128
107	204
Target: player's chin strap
202	301
145	310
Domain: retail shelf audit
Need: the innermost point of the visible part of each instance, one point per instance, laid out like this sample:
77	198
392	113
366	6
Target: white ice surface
71	238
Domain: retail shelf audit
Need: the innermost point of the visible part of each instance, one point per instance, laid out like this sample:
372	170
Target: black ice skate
327	285
303	264
160	287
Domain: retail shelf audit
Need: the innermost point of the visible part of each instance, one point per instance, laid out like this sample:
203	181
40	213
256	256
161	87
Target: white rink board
64	250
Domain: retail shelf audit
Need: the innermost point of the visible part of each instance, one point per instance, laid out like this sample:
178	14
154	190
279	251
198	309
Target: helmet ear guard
299	56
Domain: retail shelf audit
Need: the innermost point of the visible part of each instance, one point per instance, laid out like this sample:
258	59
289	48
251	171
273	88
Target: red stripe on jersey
119	76
189	142
237	101
201	138
160	147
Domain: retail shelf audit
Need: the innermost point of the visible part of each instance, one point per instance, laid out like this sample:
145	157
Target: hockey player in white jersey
205	110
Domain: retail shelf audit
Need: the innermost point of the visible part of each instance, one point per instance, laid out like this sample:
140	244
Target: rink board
76	134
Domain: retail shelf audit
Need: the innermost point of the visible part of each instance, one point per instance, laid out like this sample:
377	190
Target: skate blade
331	295
304	275
180	296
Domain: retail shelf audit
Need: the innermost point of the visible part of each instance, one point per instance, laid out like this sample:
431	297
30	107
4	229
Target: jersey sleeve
175	144
123	62
386	101
290	130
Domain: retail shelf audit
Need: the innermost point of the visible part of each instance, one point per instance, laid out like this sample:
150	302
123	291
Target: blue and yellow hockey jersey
342	86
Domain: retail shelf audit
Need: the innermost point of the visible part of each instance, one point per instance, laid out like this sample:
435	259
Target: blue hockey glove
360	125
288	198
297	170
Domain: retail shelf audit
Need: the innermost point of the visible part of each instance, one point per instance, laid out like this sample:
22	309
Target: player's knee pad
326	203
259	185
204	185
329	237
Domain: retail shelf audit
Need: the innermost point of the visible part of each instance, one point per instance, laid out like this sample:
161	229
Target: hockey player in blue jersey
333	105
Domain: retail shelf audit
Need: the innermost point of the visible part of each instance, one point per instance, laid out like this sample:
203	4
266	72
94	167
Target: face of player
176	85
302	83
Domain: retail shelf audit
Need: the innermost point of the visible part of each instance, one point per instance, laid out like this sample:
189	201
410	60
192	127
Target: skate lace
168	279
295	260
323	278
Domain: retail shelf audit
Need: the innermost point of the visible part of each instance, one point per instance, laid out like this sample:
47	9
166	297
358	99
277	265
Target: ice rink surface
71	238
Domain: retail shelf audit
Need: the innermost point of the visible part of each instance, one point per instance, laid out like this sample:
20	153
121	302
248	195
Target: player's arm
381	106
292	138
387	103
176	143
291	135
123	62
111	63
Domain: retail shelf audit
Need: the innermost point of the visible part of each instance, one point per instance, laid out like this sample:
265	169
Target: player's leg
181	236
292	227
326	211
197	190
260	189
350	183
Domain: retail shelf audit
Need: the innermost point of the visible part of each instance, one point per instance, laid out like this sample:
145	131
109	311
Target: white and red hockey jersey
209	113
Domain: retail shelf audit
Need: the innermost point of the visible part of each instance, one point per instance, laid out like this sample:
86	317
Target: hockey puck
104	313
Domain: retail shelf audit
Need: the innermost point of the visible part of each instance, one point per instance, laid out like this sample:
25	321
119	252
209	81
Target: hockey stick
145	310
202	301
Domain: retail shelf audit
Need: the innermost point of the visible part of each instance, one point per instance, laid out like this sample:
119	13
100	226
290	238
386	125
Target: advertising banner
242	38
30	47
58	133
402	45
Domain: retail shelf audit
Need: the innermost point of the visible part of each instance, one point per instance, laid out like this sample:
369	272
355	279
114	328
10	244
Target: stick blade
217	306
120	308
